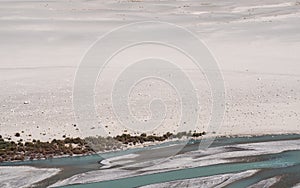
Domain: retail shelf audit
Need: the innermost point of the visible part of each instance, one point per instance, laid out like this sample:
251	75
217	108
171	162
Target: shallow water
282	163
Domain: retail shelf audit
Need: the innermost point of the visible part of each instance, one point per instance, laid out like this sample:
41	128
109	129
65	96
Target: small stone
26	102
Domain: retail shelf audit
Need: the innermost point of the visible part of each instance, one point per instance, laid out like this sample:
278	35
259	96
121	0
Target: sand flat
24	176
256	44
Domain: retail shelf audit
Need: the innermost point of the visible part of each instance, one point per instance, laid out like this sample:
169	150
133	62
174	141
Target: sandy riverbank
255	43
23	176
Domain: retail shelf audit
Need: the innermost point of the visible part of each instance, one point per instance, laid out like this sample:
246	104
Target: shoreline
20	151
159	144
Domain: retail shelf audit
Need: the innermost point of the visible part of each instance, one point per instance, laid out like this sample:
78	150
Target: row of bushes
129	139
10	150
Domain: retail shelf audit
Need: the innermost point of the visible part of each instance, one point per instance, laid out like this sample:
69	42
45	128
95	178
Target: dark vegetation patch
19	151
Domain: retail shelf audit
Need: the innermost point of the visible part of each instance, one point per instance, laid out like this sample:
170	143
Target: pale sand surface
24	176
256	43
214	181
217	181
